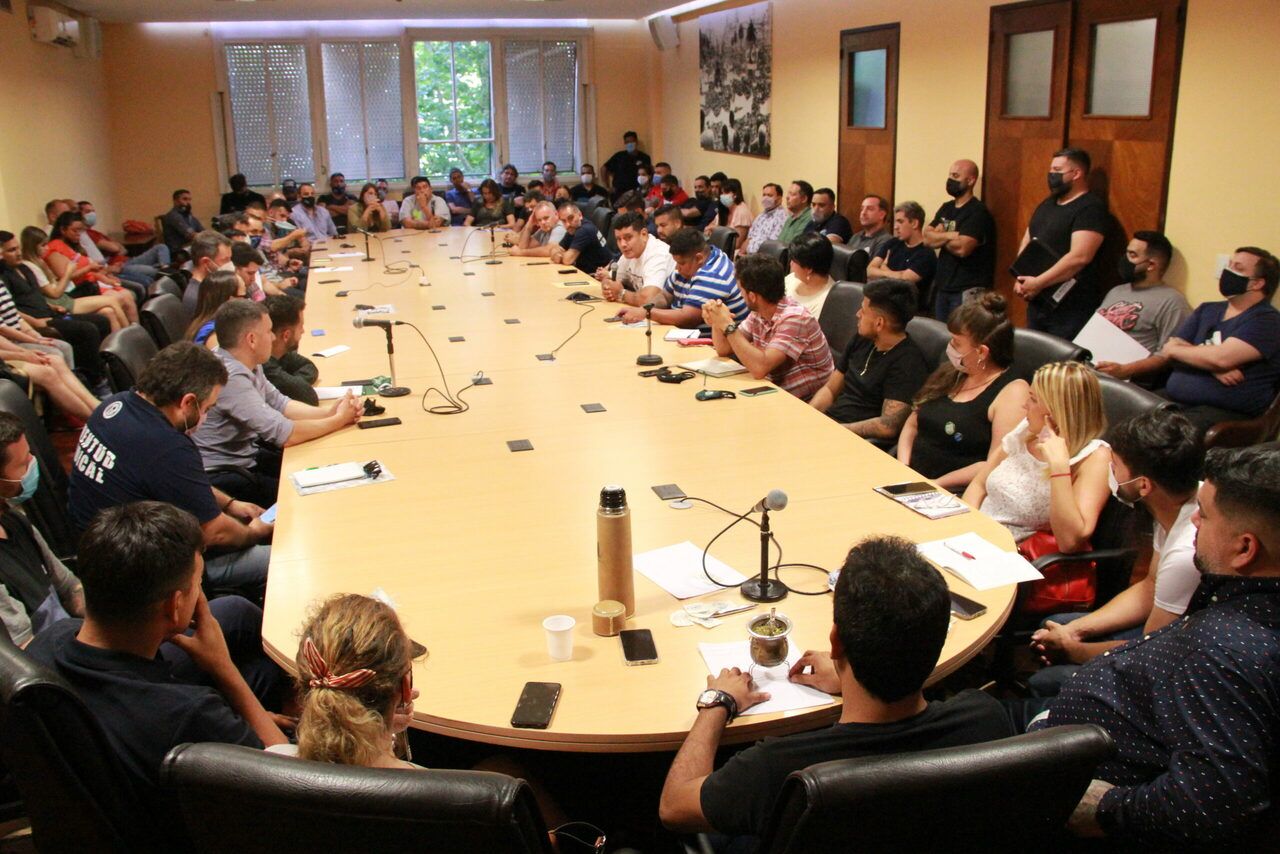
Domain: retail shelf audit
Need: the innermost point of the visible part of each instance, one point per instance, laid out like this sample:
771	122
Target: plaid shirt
795	332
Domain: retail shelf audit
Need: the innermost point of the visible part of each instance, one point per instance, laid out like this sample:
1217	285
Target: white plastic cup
559	629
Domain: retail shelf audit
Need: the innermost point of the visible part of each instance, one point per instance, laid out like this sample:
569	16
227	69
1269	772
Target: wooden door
868	116
1027	84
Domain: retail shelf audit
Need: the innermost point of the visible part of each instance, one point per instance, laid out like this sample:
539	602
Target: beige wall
624	60
1223	185
55	140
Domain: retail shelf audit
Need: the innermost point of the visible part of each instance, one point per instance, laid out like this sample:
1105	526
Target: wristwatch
730	328
713	697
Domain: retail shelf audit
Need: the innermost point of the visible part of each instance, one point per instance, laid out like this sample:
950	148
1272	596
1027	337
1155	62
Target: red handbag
1067	586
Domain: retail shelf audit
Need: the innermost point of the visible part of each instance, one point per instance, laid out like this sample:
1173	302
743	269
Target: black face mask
309	201
340	190
1232	284
1129	271
1058	185
955	189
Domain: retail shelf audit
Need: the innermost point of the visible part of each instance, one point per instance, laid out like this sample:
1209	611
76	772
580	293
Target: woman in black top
969	403
491	208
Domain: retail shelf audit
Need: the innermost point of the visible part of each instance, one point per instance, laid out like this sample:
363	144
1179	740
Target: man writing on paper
1143	306
890	620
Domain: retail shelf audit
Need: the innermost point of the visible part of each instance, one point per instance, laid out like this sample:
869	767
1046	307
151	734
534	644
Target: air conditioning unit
50	26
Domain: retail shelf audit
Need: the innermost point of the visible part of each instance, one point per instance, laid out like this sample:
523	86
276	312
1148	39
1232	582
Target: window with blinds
270	111
363	115
454	99
542	103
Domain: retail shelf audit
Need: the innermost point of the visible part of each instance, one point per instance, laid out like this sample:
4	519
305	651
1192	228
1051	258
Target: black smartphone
330	281
637	646
908	488
536	705
616	318
965	608
758	390
655	372
357	382
378	422
669	492
568	272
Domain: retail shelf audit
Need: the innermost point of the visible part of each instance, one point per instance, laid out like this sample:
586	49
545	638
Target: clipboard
1034	260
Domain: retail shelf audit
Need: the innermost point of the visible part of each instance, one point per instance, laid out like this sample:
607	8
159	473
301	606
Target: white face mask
588	178
957	360
1115	487
642	180
768	202
227	267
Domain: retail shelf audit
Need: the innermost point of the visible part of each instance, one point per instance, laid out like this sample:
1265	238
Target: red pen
961	552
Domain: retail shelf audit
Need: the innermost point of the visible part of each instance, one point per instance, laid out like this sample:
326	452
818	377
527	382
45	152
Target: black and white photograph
735	51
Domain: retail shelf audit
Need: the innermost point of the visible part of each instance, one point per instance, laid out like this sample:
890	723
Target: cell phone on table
758	390
638	647
536	705
906	488
378	422
965	608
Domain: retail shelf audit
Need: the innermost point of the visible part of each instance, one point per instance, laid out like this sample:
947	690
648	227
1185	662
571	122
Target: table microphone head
360	321
648	306
775	500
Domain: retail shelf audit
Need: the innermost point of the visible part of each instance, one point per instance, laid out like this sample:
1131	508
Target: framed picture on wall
735	69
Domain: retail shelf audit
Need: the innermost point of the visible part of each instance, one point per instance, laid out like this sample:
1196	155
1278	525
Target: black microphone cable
454	404
740	517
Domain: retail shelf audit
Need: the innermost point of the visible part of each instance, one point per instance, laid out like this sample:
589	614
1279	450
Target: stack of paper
715	367
1108	342
981	564
784	695
678	570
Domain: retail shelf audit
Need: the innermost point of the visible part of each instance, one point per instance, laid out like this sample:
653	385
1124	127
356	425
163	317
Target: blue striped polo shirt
714	280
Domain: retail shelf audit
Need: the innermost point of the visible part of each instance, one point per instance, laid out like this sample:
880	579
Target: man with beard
964	234
826	220
287	369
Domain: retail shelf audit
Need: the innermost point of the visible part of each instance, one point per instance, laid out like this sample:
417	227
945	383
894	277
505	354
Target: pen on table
964	554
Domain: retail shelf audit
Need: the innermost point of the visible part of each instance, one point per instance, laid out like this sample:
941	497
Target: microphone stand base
492	262
366	260
768	591
649	359
394	391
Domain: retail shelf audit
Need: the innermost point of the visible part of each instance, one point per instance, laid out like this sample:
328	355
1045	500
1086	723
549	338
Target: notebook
714	367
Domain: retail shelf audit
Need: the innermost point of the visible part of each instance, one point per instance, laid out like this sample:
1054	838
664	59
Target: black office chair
840	257
165	319
724	239
312	806
839	316
857	269
602	218
164	285
776	250
1250	431
1032	348
126	352
1013	794
76	796
1121	400
931	336
47	509
588	205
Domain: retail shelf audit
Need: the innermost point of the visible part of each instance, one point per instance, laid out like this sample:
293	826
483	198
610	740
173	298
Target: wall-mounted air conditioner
50	26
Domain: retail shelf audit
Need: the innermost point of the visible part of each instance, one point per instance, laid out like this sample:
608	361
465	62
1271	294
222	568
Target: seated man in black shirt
288	370
583	245
141	568
881	370
828	221
240	196
891	614
906	256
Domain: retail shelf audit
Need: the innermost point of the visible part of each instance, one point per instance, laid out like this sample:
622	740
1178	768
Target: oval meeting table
475	544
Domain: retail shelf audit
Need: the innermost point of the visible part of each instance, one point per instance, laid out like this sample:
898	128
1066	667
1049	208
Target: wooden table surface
476	545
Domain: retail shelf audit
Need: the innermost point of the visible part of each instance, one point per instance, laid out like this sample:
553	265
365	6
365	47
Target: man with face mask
588	188
549	182
620	169
288	370
210	251
336	200
312	217
1226	355
180	227
36	589
1070	226
1156	459
768	225
137	446
964	233
289	189
1143	306
240	196
384	196
826	220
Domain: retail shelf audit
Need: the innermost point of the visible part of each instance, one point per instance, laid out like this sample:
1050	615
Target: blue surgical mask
255	240
91	219
30	480
631	148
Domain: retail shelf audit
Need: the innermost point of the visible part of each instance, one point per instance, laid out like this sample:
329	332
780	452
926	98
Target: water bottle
613	548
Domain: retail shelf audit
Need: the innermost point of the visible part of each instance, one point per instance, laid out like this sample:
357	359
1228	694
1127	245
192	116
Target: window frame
316	81
413	154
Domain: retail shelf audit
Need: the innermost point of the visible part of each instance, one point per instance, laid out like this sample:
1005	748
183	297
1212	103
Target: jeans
241	623
141	269
83	337
1064	322
244	571
1048	681
948	301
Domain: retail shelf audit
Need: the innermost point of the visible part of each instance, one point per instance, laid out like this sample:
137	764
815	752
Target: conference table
475	544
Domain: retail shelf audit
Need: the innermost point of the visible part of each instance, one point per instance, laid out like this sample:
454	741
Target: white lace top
1018	488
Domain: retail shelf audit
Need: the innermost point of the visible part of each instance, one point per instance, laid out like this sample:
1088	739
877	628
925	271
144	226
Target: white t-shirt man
1176	575
409	208
650	270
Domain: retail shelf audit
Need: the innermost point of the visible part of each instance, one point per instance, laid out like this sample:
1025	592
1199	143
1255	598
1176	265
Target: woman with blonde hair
56	288
1050	472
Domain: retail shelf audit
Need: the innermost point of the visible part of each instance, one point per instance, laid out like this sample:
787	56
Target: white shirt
650	270
813	302
91	249
1176	575
409	209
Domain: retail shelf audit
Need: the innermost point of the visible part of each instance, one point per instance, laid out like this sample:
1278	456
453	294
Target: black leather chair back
47	509
776	250
1014	794
1121	400
839	317
76	796
856	271
840	257
165	319
126	352
1032	348
164	285
931	336
311	806
724	238
602	218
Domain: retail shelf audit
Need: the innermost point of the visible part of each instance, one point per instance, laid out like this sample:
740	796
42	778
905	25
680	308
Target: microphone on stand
359	322
648	357
493	244
367	257
764	588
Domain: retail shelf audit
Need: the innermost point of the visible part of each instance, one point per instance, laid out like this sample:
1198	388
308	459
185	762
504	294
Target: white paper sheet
346	254
682	335
784	694
333	392
385	308
332	351
990	567
678	570
715	367
1108	342
331	269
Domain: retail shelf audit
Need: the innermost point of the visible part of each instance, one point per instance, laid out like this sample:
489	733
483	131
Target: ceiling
137	11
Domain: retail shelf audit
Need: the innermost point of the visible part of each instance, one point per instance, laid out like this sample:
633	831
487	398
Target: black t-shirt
21	283
1053	224
22	569
511	192
622	168
580	193
871	377
977	269
128	451
142	710
919	259
592	251
738	798
333	199
236	202
837	224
